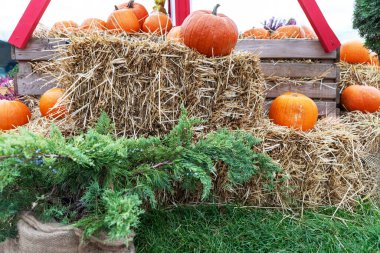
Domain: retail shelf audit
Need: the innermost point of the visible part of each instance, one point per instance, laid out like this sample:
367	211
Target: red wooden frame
326	36
28	23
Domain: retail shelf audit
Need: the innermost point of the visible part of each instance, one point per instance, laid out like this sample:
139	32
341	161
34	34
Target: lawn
239	229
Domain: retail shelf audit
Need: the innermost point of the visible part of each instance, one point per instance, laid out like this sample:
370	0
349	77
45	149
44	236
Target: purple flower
6	84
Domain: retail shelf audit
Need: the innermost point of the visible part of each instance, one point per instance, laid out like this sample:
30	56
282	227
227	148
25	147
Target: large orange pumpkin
374	59
289	32
123	20
158	23
175	34
361	98
65	26
93	24
309	33
210	33
257	33
48	101
354	51
13	114
139	10
294	110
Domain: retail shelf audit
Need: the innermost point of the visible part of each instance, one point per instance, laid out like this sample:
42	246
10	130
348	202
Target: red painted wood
28	23
327	37
182	10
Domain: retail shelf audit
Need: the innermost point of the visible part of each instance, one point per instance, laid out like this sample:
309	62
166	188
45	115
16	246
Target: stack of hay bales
142	82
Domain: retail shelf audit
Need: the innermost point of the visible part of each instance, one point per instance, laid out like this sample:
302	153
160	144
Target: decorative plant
273	23
6	89
102	184
367	21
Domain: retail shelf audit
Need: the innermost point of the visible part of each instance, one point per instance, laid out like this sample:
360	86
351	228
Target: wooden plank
325	108
312	90
39	50
299	70
285	49
28	83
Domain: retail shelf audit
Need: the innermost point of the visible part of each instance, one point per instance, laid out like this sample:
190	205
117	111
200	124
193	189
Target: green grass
233	229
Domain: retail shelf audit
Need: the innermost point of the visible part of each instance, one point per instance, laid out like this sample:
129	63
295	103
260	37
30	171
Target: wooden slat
31	84
325	108
312	90
38	50
285	49
299	70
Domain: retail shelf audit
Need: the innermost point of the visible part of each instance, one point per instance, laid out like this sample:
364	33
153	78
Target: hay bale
141	82
326	166
358	74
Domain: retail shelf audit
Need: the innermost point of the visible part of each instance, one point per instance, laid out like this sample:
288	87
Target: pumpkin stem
116	8
130	4
215	11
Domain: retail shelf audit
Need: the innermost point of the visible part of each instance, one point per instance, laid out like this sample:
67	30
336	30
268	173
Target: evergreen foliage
367	20
101	183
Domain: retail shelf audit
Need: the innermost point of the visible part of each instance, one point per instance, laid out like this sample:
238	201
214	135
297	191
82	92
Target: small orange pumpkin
309	33
123	20
361	98
13	114
175	34
257	33
93	24
158	23
294	110
65	26
210	33
289	32
139	10
48	101
354	52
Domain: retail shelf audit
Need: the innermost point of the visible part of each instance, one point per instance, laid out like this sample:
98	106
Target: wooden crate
324	92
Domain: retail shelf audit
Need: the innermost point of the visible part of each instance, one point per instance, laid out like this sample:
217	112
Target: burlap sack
35	237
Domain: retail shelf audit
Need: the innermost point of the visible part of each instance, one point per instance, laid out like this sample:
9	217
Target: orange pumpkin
361	98
65	26
354	52
123	20
309	33
139	10
210	33
289	32
13	114
93	24
158	23
175	34
257	33
374	59
48	101
294	110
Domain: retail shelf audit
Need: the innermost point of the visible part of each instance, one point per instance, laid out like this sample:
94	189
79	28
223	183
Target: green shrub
367	21
102	183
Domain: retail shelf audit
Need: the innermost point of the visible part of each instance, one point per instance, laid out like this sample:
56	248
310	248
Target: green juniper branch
99	183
